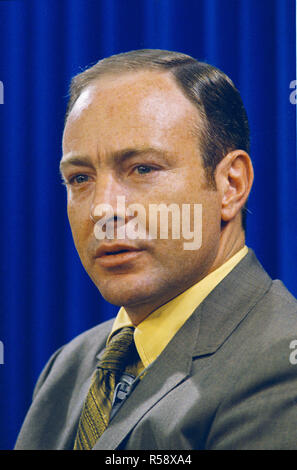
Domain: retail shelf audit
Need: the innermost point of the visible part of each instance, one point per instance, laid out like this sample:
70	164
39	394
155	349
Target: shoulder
77	356
257	370
265	300
278	309
93	338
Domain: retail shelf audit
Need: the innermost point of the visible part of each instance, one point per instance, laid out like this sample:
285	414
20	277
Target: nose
108	199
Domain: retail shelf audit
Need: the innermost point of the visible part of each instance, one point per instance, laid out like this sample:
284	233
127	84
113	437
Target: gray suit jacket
225	381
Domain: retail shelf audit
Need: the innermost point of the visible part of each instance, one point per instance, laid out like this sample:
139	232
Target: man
212	333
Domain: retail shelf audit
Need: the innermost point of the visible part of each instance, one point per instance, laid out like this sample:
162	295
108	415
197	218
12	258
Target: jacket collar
229	303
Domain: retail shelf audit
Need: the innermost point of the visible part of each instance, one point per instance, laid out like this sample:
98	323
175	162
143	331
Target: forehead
141	107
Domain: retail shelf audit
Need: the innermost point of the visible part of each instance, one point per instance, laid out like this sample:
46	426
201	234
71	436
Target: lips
111	255
114	249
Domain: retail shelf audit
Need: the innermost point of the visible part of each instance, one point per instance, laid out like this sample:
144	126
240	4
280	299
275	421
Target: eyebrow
75	160
119	155
125	154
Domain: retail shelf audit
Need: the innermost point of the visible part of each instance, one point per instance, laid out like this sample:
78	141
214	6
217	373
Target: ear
234	178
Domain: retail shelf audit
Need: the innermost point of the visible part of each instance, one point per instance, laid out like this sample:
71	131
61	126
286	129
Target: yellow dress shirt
153	334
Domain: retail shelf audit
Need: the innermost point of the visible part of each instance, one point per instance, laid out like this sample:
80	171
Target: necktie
120	355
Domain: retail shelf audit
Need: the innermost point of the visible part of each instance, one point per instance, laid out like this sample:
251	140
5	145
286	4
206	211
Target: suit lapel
229	303
203	333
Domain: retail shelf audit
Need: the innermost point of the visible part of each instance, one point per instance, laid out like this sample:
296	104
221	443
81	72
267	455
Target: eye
143	169
79	179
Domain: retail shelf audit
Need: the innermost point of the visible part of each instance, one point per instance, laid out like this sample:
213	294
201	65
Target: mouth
116	255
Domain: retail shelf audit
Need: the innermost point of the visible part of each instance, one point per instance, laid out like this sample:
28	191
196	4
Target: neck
232	239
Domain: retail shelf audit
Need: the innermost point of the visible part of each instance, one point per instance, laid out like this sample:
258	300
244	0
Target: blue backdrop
46	297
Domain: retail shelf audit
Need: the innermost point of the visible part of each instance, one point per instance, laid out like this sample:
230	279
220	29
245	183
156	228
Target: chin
124	293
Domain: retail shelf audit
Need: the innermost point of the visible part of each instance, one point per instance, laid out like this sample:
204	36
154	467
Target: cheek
212	213
80	224
74	217
78	205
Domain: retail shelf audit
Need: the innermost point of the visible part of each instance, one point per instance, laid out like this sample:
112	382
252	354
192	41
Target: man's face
134	136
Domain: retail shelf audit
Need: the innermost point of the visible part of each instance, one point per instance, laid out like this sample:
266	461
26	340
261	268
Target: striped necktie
119	356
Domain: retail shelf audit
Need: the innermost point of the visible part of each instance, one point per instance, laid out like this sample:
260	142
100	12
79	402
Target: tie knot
118	351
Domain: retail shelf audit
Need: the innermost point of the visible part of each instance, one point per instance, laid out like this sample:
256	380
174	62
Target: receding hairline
110	79
116	74
136	61
132	61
